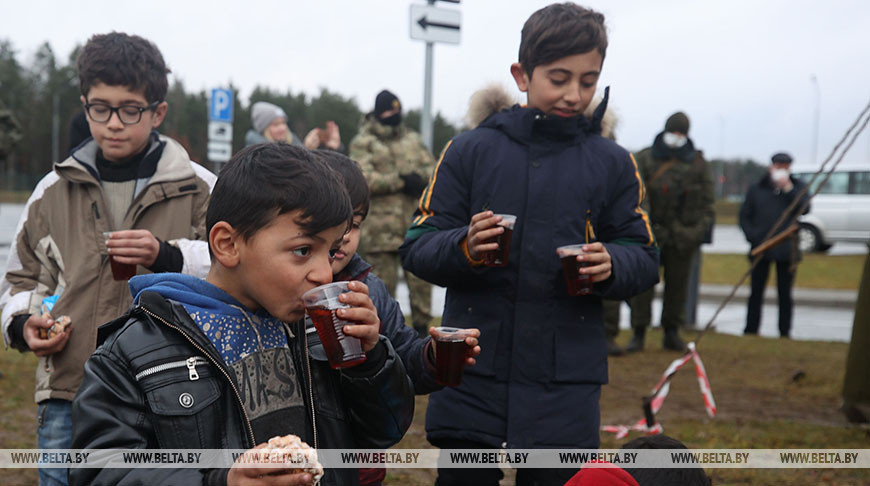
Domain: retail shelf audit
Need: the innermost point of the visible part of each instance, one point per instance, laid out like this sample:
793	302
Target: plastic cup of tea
450	354
320	303
499	257
120	271
577	283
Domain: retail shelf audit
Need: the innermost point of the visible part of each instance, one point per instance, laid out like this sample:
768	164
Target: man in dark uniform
763	206
680	198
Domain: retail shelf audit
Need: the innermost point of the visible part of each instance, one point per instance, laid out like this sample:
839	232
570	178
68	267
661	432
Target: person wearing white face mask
764	204
680	203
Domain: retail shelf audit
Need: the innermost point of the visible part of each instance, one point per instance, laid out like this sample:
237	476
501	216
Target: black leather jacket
369	407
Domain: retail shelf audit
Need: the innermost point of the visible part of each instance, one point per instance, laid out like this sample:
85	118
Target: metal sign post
220	127
432	25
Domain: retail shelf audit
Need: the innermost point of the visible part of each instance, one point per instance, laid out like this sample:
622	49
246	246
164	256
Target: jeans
54	418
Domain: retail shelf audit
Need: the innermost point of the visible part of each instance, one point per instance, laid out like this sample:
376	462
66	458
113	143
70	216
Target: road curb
843	299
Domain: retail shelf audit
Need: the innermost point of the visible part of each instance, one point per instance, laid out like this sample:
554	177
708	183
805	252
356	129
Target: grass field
14	196
817	271
759	406
726	211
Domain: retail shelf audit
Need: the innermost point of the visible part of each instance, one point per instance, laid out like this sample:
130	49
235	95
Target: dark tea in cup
341	350
577	283
499	257
450	354
120	271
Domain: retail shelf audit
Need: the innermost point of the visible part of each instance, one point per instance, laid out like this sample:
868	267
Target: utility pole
816	116
426	117
431	24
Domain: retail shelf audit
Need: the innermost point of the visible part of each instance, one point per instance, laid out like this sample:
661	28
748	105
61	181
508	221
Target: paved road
811	322
727	238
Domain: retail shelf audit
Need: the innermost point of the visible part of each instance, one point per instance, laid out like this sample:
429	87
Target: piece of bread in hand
291	448
56	328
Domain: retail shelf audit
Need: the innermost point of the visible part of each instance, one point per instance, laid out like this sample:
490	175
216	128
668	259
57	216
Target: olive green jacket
679	196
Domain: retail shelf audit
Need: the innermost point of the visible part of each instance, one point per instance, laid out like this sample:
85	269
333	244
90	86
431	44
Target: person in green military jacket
397	166
680	203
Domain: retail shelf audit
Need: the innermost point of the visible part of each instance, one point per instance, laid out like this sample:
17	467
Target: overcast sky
742	70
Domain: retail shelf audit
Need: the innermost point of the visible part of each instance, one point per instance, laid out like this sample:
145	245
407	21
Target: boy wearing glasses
126	194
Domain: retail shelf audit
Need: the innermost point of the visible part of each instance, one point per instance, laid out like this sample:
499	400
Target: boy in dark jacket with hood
537	381
417	353
244	373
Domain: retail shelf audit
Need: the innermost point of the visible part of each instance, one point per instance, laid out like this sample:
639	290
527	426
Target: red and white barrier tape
660	392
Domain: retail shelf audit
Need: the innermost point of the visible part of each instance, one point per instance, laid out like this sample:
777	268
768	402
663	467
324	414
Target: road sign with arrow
433	24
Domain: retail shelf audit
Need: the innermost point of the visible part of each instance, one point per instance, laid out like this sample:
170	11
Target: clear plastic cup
120	271
499	257
450	354
577	283
342	351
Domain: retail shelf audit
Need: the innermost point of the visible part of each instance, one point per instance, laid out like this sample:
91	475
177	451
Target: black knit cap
386	101
678	122
781	158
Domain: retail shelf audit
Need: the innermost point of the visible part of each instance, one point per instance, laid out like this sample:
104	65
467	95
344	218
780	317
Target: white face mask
779	174
674	140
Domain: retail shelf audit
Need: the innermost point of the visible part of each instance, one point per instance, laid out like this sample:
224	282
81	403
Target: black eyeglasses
128	114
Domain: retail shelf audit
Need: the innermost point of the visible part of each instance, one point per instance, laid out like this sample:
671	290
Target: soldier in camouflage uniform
397	166
680	197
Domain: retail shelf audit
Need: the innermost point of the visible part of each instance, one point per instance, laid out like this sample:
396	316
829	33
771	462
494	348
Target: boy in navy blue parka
538	379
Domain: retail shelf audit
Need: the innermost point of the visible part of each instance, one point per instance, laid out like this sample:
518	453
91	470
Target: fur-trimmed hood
495	98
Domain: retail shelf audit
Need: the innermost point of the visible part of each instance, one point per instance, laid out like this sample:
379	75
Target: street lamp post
816	115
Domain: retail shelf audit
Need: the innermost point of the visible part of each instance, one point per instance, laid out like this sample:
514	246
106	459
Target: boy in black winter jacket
244	372
537	381
417	353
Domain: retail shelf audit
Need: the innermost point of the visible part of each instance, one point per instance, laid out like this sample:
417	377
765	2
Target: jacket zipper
191	364
248	427
310	385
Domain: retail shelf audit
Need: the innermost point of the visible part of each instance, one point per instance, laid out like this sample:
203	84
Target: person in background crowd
764	204
270	125
679	190
397	166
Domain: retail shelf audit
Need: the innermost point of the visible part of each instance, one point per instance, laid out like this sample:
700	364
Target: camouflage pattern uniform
384	153
680	204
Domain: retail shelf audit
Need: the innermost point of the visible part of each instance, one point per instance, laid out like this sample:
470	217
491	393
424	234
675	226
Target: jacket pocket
579	346
182	396
482	311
